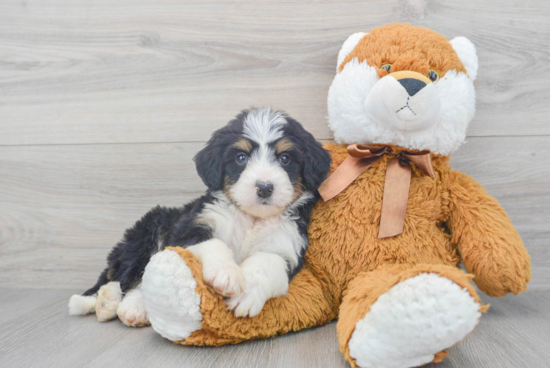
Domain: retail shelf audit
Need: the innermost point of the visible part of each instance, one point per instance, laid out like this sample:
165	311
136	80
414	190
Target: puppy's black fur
163	226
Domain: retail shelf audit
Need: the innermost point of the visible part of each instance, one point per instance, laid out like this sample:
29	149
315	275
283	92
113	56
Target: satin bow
396	186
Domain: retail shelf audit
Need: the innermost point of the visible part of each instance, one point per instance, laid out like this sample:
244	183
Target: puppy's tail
85	303
81	304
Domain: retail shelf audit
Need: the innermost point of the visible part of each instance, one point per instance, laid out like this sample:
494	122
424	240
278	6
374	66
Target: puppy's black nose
264	190
411	85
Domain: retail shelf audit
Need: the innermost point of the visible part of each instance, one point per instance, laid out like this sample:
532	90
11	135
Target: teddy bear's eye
433	75
386	67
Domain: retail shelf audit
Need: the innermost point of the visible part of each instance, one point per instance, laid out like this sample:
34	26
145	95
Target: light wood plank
16	304
62	208
514	333
48	337
166	71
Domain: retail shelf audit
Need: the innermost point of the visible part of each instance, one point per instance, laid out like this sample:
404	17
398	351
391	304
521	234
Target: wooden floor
36	331
104	103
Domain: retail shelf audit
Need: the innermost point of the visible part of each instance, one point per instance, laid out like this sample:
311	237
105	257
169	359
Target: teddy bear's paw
503	276
169	296
413	321
248	304
226	278
108	298
131	310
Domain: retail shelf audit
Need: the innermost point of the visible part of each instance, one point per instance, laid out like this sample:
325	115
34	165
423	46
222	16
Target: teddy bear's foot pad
169	296
413	321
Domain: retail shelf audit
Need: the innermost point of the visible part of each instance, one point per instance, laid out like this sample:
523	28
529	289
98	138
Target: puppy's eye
386	67
284	159
433	75
241	159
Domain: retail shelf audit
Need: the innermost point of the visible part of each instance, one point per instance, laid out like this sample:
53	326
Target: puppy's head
263	161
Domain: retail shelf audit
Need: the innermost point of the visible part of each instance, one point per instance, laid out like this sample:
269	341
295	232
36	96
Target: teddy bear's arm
490	246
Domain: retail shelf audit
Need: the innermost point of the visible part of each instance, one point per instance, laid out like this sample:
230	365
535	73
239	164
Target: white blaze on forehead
263	126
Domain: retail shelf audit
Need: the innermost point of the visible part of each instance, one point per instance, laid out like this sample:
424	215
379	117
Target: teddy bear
394	224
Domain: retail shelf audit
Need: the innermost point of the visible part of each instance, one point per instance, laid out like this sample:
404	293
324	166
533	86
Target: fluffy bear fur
357	93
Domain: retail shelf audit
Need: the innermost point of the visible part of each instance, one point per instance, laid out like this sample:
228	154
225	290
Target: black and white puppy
249	230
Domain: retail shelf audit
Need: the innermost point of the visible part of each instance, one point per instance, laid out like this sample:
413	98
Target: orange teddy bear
396	223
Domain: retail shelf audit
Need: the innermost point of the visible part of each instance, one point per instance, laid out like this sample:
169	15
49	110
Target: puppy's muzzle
264	190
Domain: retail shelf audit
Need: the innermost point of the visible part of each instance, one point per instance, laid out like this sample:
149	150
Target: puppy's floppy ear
209	162
316	163
317	160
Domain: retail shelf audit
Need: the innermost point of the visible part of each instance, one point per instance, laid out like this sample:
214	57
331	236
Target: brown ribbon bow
396	186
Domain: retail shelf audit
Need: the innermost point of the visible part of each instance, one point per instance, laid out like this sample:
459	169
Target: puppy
249	230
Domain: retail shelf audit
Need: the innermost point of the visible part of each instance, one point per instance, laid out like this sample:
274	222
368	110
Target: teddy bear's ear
348	47
467	53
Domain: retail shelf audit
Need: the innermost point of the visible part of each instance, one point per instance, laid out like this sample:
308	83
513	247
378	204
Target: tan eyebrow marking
283	145
243	144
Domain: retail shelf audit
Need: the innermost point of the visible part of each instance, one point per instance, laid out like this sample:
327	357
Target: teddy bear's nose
411	85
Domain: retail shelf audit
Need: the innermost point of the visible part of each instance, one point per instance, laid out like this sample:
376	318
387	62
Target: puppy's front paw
226	279
248	304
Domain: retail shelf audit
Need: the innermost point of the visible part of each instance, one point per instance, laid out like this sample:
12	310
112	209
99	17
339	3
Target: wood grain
515	332
63	207
103	104
74	71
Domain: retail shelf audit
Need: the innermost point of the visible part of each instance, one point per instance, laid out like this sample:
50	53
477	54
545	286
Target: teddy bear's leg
184	309
406	316
169	296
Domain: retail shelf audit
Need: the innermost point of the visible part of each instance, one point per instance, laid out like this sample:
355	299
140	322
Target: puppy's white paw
81	305
226	278
249	303
108	297
131	310
133	316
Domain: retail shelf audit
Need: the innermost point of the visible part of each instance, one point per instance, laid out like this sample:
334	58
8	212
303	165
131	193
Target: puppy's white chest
248	234
241	232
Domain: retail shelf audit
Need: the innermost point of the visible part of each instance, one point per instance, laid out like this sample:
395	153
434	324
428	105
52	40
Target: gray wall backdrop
104	103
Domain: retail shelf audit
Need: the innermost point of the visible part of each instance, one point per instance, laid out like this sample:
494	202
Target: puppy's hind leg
131	310
85	303
82	304
108	298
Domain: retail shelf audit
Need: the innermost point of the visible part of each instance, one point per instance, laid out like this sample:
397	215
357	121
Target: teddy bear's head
403	85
